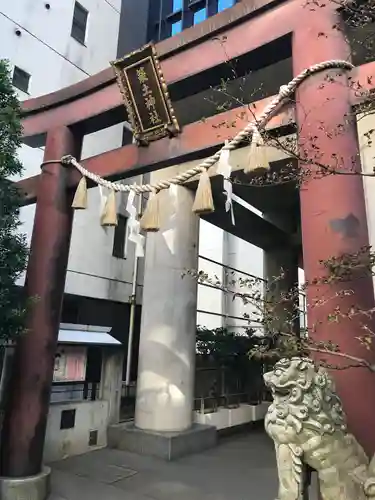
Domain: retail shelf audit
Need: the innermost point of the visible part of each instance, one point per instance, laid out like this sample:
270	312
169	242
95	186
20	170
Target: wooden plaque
146	96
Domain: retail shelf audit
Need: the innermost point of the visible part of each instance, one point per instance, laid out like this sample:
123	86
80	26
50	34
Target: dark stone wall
133	25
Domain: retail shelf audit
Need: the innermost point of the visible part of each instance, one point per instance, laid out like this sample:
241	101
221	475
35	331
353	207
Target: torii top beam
96	102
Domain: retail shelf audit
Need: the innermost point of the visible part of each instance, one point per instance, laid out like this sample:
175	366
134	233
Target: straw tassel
258	154
150	220
80	197
204	203
109	214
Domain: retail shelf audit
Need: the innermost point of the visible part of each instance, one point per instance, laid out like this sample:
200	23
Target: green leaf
13	248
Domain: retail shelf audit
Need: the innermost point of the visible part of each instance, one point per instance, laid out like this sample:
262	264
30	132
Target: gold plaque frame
146	97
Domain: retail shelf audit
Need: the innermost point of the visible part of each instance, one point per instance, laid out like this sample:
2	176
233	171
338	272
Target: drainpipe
133	304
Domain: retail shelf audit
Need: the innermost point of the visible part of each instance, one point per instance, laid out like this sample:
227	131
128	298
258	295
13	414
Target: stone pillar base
165	445
32	487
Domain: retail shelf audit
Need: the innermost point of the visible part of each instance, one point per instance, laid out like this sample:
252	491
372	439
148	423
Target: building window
176	5
93	438
119	238
68	419
199	16
79	24
176	28
224	4
21	79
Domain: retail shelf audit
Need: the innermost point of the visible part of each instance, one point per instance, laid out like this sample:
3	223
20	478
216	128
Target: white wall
211	245
62	443
89	416
47	51
54	60
225	418
230	251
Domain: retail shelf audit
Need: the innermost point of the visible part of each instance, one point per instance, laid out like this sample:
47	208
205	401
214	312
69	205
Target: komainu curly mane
308	425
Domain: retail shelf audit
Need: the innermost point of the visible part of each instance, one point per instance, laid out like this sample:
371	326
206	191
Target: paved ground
239	468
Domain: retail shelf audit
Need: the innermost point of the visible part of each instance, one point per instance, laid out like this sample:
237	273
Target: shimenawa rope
285	92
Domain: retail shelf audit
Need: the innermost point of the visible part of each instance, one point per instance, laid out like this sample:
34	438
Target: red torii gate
62	118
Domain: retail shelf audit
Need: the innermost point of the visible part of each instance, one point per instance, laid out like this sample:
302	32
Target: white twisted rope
270	110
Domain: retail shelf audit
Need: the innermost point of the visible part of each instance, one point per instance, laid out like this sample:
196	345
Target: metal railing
302	301
74	391
223	387
233	269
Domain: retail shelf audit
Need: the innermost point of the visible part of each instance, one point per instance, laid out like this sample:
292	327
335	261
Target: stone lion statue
308	425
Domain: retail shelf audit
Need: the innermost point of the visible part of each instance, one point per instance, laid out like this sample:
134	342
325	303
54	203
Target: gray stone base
166	445
32	488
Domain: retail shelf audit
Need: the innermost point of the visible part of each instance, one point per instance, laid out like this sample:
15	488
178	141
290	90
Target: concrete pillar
26	414
281	272
366	135
164	424
241	255
229	307
333	212
111	382
166	365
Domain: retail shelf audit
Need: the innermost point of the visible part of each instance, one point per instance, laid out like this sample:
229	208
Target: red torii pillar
24	427
333	212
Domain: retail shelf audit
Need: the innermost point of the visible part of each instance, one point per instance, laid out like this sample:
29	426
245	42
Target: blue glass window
224	4
200	16
176	28
177	5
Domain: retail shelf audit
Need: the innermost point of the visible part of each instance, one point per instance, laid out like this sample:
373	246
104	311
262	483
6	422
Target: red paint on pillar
333	211
25	422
